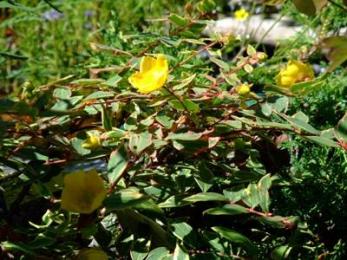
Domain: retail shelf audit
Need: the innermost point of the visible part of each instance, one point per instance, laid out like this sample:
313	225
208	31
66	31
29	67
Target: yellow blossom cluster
294	72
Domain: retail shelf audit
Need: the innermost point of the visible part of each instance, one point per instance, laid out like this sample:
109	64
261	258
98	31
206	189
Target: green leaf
265	182
147	121
88	82
179	254
176	105
206	196
263	192
135	255
60	106
165	121
281	252
222	64
134	222
341	129
204	177
158	253
297	123
214	240
76	143
106	118
10	246
41	240
6	4
250	196
62	93
266	109
178	20
203	184
279	222
281	104
231	78
99	95
12	55
93	109
116	134
306	87
237	238
139	142
336	50
185	105
206	6
301	116
229	209
188	136
309	7
320	4
251	51
124	199
174	202
181	230
117	164
191	106
248	68
274	125
113	81
322	141
150	207
233	196
185	82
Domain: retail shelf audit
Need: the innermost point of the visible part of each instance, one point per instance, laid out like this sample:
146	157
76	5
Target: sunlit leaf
237	238
117	164
336	50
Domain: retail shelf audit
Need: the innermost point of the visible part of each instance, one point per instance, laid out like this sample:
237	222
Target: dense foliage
128	133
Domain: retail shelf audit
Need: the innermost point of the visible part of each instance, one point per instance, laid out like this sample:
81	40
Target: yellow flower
293	73
91	254
83	192
243	90
152	75
241	14
93	141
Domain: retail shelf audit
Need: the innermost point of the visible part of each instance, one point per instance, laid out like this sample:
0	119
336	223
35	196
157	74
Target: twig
258	213
53	83
52	162
178	98
53	6
337	5
205	48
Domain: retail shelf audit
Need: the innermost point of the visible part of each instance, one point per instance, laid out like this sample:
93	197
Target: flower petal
161	62
152	75
143	82
147	63
83	192
243	90
294	72
91	254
